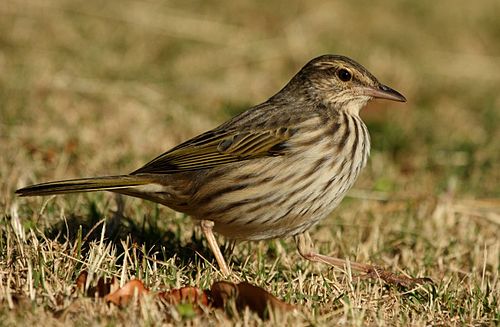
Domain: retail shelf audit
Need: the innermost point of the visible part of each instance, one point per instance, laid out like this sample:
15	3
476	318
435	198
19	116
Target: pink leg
306	250
206	227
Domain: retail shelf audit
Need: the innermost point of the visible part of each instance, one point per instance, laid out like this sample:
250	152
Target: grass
90	88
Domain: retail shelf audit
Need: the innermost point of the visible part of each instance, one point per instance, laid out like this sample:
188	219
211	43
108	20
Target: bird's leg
206	227
305	247
306	250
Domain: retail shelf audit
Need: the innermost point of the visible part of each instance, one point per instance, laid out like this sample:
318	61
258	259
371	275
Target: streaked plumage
275	170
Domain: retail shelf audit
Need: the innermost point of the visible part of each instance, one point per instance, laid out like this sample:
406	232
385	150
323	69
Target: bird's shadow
143	233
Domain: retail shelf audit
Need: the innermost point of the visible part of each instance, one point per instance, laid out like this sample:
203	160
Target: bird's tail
84	185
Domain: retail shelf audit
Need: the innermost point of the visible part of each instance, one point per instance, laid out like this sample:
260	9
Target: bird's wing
218	147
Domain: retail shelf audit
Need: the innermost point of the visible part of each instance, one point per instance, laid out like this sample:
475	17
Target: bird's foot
306	250
391	278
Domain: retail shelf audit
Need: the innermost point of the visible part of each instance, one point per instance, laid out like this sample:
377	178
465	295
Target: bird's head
340	82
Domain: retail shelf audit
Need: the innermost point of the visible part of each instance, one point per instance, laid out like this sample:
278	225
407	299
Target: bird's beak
383	92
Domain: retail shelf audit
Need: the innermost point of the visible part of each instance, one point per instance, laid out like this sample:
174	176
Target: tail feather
84	185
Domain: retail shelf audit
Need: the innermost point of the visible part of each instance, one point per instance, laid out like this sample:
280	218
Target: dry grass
93	88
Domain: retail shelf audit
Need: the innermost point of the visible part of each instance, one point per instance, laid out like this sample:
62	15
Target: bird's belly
285	214
278	197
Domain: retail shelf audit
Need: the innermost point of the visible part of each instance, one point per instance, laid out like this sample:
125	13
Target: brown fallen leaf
81	280
123	295
246	295
104	287
187	294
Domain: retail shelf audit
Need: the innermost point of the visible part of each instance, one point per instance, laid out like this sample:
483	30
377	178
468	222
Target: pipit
273	171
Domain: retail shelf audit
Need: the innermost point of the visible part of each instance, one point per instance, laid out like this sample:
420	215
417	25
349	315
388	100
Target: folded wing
216	148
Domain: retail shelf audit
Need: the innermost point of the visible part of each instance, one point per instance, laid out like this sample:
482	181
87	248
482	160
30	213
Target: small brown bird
274	170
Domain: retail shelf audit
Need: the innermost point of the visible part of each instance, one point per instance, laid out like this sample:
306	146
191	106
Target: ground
95	88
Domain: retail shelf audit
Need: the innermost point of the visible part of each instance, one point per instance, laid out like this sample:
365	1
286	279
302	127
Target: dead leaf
81	280
103	288
188	294
246	295
123	295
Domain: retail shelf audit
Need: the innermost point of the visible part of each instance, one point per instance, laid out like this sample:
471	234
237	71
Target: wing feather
216	148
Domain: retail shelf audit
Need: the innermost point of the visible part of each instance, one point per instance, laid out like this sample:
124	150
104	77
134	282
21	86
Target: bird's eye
344	75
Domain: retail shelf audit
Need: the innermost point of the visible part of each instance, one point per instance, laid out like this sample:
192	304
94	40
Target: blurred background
100	87
91	87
